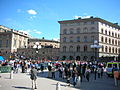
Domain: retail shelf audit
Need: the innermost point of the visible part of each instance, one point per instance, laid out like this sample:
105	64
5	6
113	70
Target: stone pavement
21	81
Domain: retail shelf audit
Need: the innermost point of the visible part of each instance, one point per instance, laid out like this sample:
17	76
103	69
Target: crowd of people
73	72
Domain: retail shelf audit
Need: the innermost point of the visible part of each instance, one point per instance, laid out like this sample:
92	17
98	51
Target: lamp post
95	46
37	47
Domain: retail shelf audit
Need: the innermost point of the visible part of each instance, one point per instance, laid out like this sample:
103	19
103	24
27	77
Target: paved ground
21	81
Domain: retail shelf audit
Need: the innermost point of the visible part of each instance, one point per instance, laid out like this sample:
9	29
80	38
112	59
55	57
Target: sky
39	18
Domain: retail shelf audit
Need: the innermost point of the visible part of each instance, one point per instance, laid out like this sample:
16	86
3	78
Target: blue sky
40	18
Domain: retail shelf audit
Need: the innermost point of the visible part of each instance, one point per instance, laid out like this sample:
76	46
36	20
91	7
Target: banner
5	69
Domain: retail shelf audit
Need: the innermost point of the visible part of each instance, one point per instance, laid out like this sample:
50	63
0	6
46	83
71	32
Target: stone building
78	35
39	49
43	43
11	40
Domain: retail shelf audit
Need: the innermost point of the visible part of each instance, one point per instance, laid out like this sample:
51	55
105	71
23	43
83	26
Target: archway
71	58
64	57
85	58
78	58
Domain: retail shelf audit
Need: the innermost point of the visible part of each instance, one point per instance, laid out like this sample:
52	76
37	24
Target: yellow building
11	40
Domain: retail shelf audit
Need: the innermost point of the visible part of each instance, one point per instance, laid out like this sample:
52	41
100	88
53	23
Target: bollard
58	86
11	74
78	82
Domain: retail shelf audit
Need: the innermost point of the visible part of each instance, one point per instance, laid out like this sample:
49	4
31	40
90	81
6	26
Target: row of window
78	39
80	23
7	43
110	41
110	33
85	48
78	30
110	49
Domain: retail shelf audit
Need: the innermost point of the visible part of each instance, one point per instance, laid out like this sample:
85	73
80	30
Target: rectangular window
78	39
85	39
7	43
0	43
14	43
109	65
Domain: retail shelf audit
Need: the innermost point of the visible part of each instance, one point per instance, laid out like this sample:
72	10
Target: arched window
78	48
65	31
71	48
116	42
101	30
85	39
85	29
116	51
106	49
115	34
102	39
109	41
109	33
106	32
71	39
78	39
64	48
113	41
71	30
105	39
112	34
64	39
119	51
109	49
92	29
78	30
92	38
85	48
113	50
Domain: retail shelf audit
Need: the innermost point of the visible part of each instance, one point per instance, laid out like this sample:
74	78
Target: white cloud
31	11
37	32
25	31
76	17
56	39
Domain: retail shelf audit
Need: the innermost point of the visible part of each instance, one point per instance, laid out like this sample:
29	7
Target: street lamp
95	46
37	47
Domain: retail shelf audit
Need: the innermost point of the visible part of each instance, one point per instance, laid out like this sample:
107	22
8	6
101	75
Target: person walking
33	76
68	76
74	76
87	73
99	72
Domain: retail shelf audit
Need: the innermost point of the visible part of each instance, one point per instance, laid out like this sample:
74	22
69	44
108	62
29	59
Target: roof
90	19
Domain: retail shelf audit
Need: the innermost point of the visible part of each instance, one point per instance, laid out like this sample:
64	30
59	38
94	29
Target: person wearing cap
33	76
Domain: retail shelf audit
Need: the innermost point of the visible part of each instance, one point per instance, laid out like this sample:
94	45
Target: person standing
99	72
33	76
87	73
68	76
74	76
116	76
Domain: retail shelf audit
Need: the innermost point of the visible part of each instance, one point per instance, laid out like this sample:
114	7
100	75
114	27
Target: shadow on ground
19	87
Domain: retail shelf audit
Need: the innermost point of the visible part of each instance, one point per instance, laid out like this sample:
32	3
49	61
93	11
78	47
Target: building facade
77	36
43	43
11	40
39	49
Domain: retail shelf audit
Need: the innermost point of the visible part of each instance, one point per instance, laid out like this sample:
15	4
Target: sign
5	69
